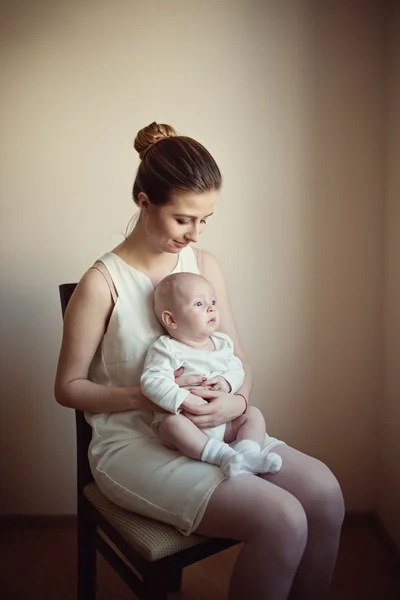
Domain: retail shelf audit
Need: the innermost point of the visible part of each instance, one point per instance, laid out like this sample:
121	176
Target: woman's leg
319	493
273	525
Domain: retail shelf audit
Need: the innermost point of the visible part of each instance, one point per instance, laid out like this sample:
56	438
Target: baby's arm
158	381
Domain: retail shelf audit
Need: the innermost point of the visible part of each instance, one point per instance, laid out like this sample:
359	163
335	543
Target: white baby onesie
166	355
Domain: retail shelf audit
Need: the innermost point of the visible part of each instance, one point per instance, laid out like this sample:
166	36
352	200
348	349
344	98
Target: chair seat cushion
152	539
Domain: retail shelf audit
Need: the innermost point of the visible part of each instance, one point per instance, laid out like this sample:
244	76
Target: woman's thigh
245	506
310	481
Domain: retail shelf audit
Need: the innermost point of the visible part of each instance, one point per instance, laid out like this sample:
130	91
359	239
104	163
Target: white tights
290	522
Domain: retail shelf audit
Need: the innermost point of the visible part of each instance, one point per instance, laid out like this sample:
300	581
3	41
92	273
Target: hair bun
150	135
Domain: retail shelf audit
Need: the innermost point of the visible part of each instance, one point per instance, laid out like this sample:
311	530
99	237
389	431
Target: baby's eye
213	302
199	303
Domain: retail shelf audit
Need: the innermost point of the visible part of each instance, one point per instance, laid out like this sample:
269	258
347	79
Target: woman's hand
221	408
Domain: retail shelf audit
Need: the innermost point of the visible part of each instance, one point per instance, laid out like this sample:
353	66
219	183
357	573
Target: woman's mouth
181	244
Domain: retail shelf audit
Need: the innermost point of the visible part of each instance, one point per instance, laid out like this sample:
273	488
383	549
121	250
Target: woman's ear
168	320
144	202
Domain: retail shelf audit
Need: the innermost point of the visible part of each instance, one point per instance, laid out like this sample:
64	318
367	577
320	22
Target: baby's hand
218	384
195	400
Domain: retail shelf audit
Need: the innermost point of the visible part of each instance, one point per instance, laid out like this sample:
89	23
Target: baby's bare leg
250	426
178	432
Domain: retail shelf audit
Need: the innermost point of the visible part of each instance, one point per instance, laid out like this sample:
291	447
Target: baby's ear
168	320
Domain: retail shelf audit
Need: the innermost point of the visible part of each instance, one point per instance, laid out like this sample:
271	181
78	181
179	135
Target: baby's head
185	304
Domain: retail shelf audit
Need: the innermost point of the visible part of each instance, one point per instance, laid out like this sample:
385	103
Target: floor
40	565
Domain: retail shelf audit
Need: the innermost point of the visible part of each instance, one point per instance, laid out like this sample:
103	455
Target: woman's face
180	222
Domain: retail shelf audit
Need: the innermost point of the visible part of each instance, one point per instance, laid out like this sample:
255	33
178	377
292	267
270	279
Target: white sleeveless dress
129	463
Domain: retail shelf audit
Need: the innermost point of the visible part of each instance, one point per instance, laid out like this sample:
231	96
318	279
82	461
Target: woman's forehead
191	203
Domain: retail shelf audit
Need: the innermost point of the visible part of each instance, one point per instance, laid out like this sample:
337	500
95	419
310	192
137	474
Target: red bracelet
245	399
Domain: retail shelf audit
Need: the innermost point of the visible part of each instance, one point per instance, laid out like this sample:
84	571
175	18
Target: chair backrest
83	429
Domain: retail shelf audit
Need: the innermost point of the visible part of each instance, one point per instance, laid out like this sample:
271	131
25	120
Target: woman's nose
193	235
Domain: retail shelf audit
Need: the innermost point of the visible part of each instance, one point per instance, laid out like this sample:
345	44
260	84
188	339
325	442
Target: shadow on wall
318	235
31	428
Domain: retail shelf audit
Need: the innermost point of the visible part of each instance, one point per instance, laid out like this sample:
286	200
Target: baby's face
195	310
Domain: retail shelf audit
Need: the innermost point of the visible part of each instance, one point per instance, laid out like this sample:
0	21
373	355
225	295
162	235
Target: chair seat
151	539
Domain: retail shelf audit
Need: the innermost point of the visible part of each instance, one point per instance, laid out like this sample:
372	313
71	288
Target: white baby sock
257	461
221	454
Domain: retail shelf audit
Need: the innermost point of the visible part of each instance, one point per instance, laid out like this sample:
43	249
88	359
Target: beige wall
389	493
288	96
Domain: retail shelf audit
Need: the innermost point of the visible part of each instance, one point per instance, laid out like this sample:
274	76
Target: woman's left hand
221	408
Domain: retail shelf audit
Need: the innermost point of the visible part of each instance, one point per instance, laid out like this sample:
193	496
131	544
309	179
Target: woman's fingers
202	421
204	393
212	381
195	409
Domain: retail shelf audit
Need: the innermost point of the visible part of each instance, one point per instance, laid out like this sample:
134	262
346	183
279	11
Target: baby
186	306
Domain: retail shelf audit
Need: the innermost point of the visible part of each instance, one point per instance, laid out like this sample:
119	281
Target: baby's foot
232	464
261	462
273	462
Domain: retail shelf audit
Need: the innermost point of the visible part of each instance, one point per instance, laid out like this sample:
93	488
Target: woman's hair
172	162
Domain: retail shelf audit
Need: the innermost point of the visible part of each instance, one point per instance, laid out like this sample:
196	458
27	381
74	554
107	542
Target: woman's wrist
246	402
137	400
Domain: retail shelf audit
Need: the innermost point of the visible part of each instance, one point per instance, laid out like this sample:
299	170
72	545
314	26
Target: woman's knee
247	508
283	524
325	503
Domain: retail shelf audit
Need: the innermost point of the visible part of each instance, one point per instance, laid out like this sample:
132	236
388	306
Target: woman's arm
85	322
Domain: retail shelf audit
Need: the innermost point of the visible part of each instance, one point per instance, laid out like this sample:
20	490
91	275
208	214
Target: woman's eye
182	222
203	222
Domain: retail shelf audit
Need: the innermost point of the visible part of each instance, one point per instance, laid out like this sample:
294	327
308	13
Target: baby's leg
246	434
178	432
250	426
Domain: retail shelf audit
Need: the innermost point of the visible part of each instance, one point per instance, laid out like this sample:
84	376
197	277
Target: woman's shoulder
211	270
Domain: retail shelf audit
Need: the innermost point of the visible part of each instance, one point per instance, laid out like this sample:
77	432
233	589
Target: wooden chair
132	544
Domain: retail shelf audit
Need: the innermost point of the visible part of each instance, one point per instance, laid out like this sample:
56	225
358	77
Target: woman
290	521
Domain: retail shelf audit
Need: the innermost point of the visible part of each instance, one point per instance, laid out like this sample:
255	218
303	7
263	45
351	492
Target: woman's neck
142	256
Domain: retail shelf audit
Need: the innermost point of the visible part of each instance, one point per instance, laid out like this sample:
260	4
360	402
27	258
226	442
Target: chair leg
154	587
175	580
86	554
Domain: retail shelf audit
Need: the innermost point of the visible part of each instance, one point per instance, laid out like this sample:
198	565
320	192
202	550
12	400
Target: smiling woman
291	523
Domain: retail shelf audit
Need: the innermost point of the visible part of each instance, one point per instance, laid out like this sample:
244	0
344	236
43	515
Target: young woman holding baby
290	520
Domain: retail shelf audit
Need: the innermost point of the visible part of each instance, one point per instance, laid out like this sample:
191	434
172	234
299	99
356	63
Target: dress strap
100	266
